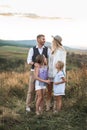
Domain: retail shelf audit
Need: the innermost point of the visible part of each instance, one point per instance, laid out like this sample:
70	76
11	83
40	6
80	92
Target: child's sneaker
55	111
37	113
28	109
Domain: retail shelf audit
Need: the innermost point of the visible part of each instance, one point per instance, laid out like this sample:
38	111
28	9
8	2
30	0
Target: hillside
20	43
31	43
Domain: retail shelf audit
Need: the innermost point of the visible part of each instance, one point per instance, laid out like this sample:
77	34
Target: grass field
13	90
13	51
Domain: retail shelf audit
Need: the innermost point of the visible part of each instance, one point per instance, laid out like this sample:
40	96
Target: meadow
14	79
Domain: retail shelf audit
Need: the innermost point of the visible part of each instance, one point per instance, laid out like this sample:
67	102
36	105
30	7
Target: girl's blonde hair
61	64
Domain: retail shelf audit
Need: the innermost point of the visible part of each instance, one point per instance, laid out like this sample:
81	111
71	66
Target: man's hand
31	63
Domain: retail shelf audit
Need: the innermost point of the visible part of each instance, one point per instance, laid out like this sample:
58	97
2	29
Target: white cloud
73	33
60	8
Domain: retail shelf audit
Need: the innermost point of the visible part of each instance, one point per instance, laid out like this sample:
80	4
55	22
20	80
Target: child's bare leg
39	100
49	96
55	104
59	103
42	102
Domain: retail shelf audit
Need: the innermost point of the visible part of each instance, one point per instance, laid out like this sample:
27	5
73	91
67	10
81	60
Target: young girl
58	86
41	80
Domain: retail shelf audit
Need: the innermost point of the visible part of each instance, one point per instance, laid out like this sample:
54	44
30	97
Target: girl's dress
43	74
60	88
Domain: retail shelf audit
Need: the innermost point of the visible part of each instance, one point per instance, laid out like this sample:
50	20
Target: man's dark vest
36	53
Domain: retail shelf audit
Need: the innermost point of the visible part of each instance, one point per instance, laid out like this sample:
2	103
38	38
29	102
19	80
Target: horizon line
70	46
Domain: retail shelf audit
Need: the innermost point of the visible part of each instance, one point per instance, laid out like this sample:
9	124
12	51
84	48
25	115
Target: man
33	52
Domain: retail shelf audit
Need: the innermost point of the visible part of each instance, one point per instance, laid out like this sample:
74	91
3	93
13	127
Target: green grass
13	58
16	118
12	100
13	51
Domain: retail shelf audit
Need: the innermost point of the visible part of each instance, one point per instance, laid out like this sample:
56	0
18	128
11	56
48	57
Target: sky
73	31
60	8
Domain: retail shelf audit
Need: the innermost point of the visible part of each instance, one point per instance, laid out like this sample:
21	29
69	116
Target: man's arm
49	52
29	58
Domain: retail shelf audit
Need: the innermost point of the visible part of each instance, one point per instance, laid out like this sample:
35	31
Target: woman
58	53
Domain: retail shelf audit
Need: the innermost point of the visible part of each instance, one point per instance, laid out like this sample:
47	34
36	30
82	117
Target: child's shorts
39	87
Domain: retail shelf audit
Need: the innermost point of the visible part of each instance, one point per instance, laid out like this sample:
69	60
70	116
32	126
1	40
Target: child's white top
60	88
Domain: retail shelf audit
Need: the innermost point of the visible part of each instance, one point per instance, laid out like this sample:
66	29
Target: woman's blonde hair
56	46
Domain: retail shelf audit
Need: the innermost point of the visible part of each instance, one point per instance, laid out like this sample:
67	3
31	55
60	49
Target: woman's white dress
59	55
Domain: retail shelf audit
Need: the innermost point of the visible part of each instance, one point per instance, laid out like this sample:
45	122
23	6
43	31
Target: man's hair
40	35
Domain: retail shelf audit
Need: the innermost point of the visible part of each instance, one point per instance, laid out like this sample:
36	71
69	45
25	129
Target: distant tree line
76	60
18	64
12	64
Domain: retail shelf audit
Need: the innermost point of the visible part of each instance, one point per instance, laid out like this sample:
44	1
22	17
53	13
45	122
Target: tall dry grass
77	85
13	79
13	90
16	84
